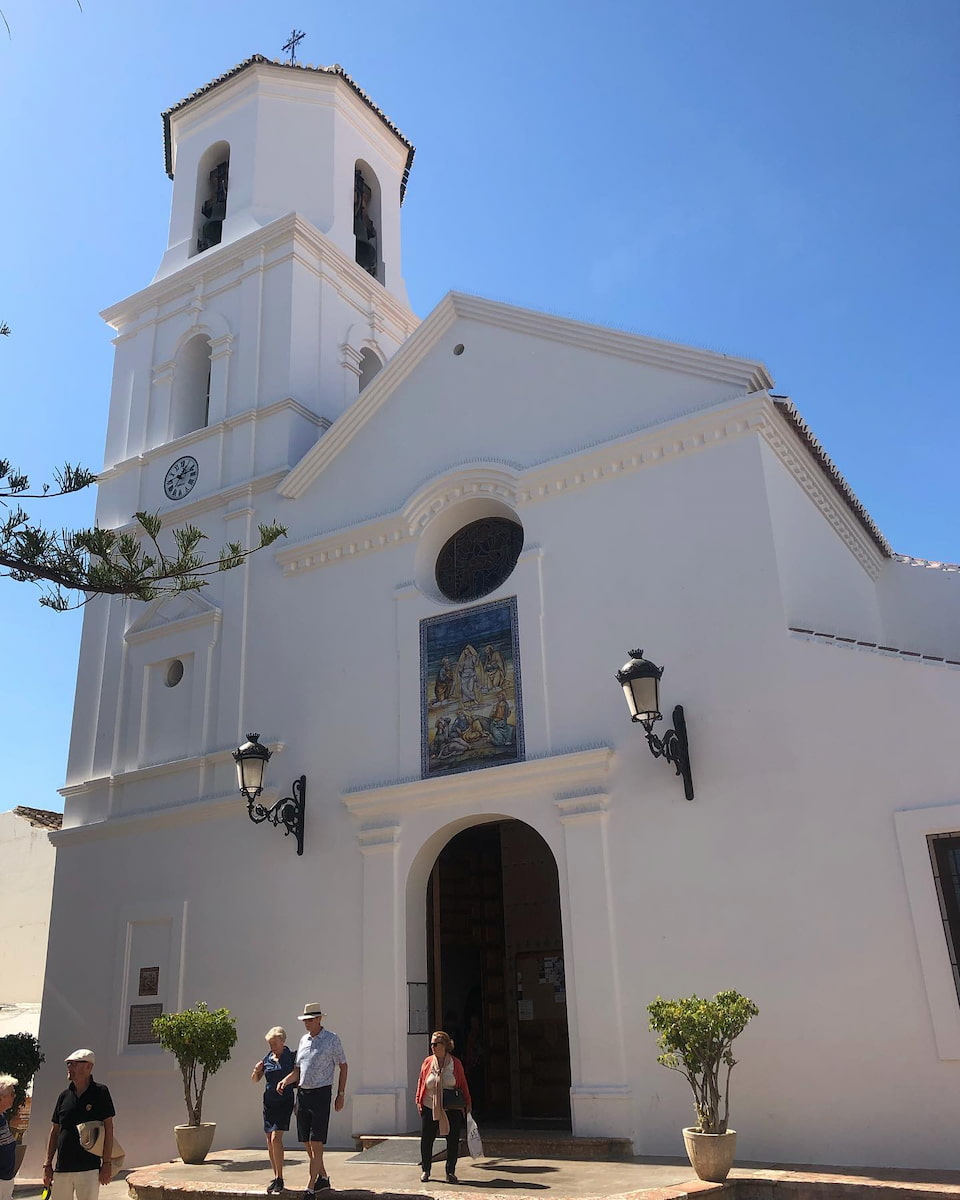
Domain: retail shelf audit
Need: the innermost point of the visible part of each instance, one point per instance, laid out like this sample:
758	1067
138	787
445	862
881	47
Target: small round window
478	558
174	673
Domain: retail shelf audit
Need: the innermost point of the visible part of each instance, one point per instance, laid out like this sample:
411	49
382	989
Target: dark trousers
431	1129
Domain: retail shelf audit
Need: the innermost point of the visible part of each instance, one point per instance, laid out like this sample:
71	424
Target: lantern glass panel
250	774
643	698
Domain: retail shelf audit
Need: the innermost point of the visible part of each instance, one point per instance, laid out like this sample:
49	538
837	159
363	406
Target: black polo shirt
93	1104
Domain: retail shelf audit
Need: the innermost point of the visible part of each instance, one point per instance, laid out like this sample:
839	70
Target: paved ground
247	1172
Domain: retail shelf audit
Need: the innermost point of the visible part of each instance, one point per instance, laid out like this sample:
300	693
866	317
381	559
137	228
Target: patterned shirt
317	1057
8	1150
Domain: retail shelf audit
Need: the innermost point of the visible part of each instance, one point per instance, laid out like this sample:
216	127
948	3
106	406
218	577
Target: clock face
179	480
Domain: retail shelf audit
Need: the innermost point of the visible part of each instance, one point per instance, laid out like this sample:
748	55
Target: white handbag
91	1139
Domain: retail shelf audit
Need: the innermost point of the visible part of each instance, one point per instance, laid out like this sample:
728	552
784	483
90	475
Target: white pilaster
600	1097
379	1098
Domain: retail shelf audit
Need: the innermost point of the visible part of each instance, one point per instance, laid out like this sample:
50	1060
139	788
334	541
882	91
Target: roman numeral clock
181	477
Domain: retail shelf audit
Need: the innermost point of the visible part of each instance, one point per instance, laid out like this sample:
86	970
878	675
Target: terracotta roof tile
40	818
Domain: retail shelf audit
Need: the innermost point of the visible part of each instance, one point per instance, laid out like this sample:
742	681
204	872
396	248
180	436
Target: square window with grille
945	857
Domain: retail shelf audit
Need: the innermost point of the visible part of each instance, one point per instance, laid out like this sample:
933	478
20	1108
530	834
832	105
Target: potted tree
695	1038
201	1042
20	1056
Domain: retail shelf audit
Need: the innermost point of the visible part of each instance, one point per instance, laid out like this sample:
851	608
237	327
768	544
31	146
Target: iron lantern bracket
288	812
673	747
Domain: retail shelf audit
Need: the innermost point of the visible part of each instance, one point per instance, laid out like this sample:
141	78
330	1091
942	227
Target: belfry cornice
253	253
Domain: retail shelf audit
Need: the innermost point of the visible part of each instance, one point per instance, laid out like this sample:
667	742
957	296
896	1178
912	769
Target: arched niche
370	365
190	405
366	219
211	200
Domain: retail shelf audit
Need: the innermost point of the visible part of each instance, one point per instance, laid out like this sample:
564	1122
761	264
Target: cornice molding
154	770
583	769
202	274
206	808
176	447
859	534
517	487
186	513
848	643
740	374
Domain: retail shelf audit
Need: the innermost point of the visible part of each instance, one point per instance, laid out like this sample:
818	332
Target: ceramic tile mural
470	703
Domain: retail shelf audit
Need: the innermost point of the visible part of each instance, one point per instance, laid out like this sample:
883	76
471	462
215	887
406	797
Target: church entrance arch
495	970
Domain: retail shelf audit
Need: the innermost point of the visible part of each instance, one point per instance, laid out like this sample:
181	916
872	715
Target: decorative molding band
175	447
204	272
184	513
518	486
379	839
590	806
928	563
605	1091
170	767
583	769
350	358
849	643
744	374
799	460
206	808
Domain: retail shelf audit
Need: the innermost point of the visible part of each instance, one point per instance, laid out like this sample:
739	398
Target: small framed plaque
140	1032
417	1014
149	981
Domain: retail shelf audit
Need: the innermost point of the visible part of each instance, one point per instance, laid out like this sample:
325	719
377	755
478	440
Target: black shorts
313	1113
277	1116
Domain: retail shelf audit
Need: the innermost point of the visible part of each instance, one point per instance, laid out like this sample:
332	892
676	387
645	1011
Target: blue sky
772	178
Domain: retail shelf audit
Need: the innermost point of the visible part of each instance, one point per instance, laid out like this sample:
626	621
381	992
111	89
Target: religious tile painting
470	703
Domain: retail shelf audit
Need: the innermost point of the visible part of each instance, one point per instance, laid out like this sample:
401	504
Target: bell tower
279	295
269	138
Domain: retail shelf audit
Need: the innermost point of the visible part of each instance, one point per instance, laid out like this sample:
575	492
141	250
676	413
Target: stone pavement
228	1174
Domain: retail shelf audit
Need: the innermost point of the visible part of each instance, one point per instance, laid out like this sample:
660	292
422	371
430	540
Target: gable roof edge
341	432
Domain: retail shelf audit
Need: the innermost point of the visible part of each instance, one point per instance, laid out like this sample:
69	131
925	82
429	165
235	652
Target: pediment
168	612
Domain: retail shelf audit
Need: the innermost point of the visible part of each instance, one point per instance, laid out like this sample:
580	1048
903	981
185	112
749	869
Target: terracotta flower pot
194	1141
711	1154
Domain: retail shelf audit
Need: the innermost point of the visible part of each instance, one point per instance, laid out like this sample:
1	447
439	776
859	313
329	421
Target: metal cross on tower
296	37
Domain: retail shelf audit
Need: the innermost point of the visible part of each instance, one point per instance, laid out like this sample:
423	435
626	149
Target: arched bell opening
211	203
366	220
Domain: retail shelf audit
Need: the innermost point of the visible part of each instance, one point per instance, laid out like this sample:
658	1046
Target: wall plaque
417	1015
149	981
140	1032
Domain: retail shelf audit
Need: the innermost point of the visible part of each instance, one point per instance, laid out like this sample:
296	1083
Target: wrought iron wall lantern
251	759
640	681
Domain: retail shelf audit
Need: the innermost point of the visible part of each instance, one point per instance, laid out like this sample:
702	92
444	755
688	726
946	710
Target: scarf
439	1113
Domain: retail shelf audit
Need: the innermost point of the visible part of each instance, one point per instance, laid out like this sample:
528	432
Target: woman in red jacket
440	1070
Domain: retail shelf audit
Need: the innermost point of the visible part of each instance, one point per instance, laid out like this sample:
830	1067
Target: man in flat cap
318	1054
79	1173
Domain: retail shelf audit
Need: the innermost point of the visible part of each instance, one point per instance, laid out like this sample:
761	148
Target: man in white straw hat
318	1054
79	1173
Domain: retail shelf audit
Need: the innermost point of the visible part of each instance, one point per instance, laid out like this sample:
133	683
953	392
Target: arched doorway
496	971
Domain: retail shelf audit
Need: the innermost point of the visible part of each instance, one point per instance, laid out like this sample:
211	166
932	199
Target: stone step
532	1143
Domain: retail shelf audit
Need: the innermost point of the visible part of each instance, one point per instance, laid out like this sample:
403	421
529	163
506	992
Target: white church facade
486	511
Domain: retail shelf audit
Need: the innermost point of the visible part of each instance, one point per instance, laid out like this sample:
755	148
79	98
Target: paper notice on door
524	1010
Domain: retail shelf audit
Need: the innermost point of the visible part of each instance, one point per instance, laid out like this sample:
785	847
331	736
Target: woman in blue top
277	1109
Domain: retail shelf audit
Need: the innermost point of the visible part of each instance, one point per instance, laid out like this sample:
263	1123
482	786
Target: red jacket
459	1078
